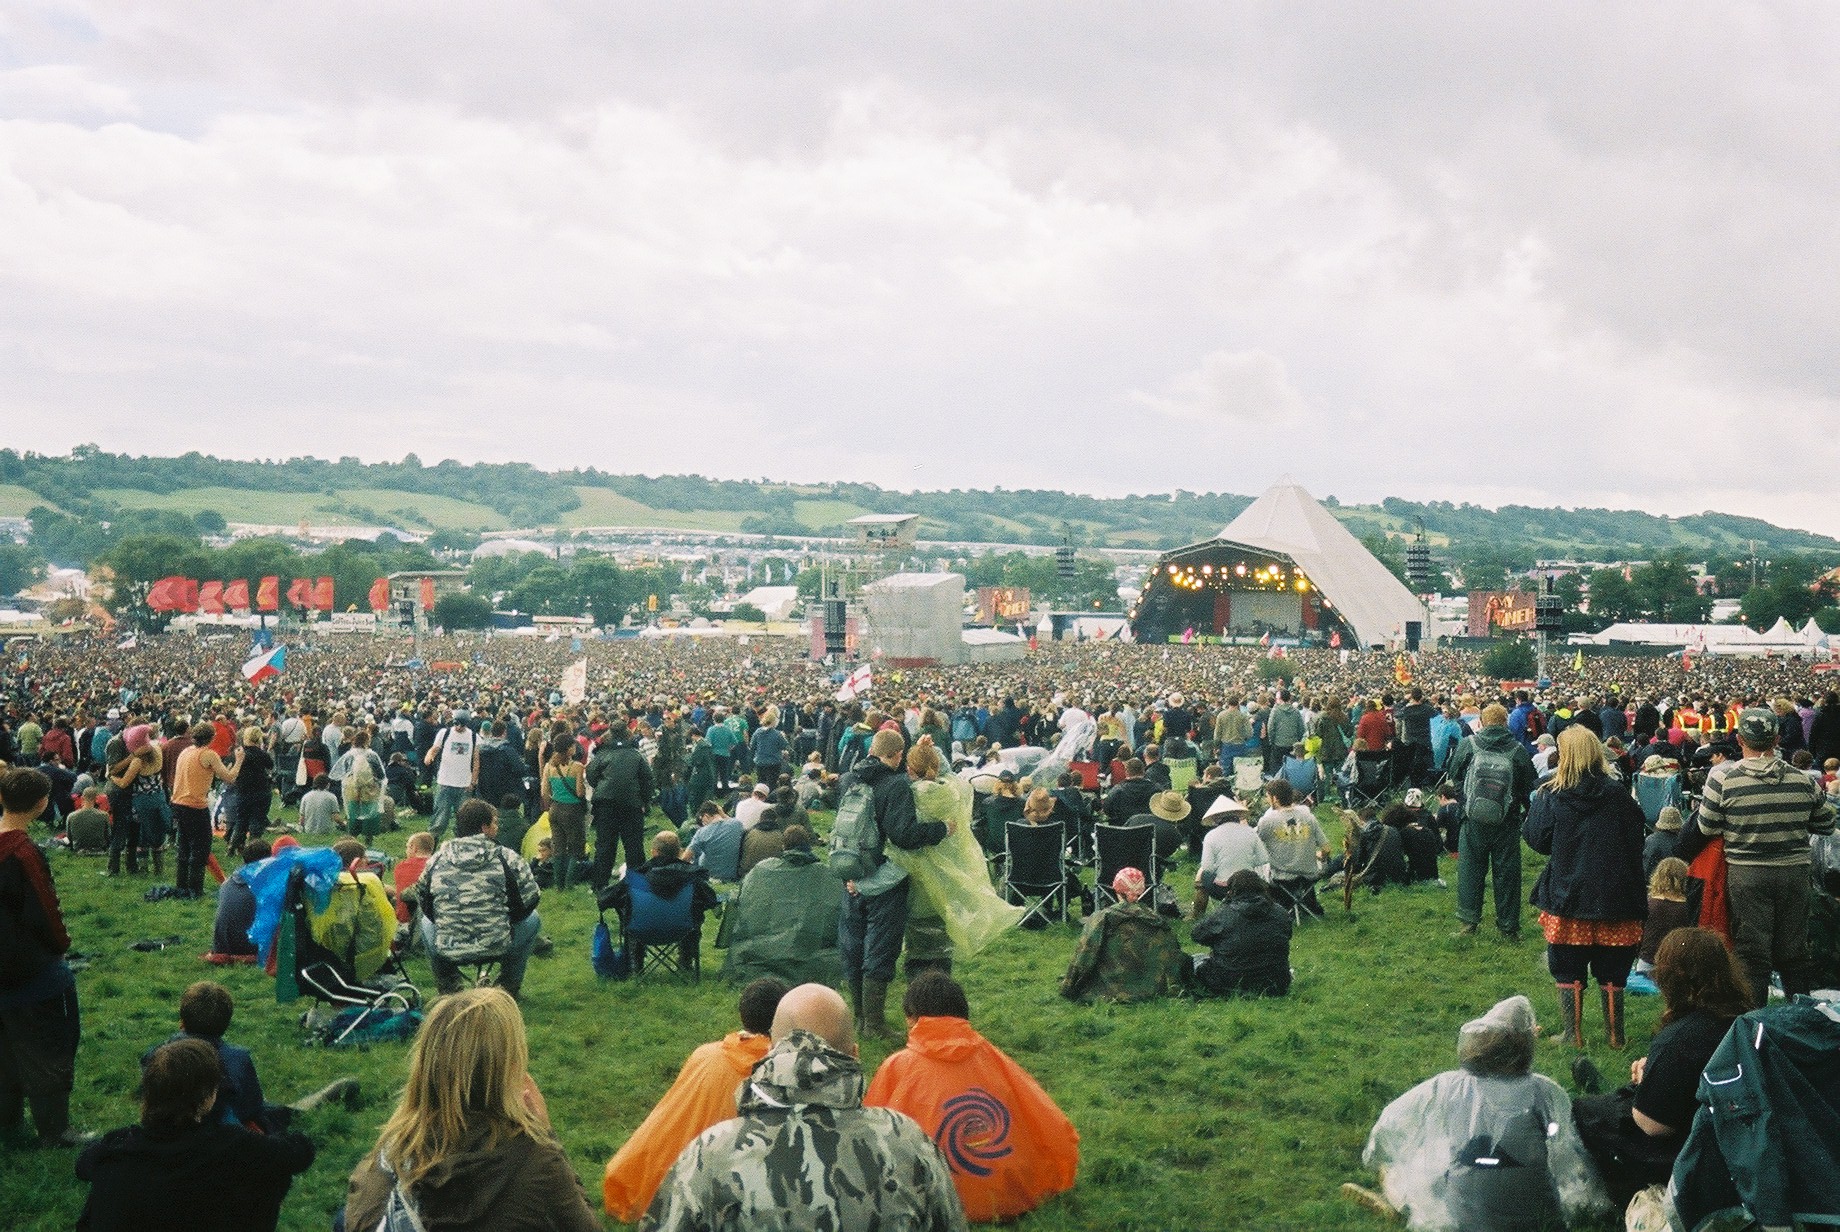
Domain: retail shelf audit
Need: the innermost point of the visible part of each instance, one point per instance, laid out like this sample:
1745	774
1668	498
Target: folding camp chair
1121	847
309	968
1373	778
661	934
1036	871
1297	895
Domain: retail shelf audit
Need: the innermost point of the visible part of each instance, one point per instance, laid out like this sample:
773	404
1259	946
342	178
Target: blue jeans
869	932
447	802
511	963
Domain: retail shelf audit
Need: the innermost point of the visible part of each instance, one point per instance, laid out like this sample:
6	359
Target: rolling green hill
95	484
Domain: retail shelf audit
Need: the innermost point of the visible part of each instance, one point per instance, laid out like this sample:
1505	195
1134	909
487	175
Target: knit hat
1668	819
1757	727
1128	884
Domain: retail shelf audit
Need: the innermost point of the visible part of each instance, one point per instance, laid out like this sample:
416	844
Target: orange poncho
1008	1145
703	1095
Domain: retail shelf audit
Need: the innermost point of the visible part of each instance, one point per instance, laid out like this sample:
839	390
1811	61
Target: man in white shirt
1230	846
455	756
751	808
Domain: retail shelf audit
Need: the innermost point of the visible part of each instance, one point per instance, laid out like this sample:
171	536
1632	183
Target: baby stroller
356	972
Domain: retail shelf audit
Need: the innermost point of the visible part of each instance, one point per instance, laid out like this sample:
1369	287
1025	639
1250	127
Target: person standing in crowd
455	756
1766	811
1591	895
621	788
255	789
198	766
565	795
1494	775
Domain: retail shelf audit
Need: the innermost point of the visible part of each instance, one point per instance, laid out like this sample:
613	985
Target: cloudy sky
1574	254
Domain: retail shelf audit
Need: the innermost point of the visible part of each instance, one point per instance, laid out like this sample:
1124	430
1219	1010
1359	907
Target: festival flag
173	594
236	594
1402	671
128	643
1265	638
427	594
300	592
1578	660
211	598
1686	661
575	682
380	594
268	594
857	682
266	663
322	594
1335	640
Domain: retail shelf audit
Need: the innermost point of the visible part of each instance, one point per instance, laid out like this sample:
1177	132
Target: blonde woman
1591	895
469	1146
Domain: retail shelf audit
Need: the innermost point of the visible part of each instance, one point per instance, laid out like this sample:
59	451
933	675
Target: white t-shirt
1228	848
456	745
749	810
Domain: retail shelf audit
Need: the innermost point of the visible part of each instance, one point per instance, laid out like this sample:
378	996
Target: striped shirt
1765	810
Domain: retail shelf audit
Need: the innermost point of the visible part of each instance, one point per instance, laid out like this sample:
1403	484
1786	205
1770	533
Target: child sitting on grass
205	1010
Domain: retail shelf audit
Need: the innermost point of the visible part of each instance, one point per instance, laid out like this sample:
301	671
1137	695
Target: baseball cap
1757	727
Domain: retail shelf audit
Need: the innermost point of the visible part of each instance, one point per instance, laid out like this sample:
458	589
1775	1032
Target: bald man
855	1167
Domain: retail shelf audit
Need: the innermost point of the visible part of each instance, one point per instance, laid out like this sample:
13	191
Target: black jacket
1127	800
1249	940
1593	836
620	776
1824	735
206	1178
501	772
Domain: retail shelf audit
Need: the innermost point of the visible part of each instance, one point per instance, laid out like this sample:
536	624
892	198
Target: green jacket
1763	1138
1126	953
783	923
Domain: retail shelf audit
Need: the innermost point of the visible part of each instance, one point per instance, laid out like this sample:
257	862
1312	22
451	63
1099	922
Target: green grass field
416	510
605	507
17	502
1192	1114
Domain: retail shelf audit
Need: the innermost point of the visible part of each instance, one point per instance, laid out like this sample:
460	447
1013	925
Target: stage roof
1287	520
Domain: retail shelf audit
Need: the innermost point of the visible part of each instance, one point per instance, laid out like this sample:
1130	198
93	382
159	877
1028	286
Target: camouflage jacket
806	1155
1126	953
473	891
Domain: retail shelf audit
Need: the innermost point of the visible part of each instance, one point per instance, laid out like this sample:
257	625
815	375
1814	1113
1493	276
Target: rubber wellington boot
875	1010
1571	1013
1613	1014
856	1003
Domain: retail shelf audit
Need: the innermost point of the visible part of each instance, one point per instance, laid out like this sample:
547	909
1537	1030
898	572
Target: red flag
1335	640
167	595
322	594
427	594
211	598
380	594
236	594
268	594
300	592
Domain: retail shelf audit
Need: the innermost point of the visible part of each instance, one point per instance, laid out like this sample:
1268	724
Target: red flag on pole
380	594
211	598
322	594
268	594
300	592
236	594
427	594
167	595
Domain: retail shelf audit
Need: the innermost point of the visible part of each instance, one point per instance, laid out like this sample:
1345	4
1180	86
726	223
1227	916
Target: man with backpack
876	808
1494	776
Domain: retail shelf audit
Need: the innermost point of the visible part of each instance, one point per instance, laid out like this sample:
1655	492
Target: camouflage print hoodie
473	891
805	1155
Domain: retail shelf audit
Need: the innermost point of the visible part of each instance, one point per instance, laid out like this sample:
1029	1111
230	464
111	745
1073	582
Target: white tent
1812	634
1287	520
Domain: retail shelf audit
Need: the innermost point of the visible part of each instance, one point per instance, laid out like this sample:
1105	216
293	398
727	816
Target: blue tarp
268	880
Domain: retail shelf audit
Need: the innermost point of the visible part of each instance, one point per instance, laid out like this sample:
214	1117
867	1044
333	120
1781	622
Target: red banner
380	594
322	594
427	594
300	592
173	594
268	594
236	594
211	598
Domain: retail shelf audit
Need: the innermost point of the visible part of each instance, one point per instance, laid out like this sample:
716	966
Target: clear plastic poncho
1419	1143
951	876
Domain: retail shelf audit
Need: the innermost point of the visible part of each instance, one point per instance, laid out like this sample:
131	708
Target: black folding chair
1297	895
1036	871
1121	847
1373	778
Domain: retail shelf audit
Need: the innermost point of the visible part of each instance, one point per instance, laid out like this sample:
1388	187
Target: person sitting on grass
1487	1145
88	826
702	1096
183	1168
1636	1133
236	910
715	844
319	808
469	1147
408	869
1249	940
1009	1146
205	1010
1127	952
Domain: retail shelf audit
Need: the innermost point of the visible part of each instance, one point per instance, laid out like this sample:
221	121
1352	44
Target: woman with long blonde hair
469	1145
1592	895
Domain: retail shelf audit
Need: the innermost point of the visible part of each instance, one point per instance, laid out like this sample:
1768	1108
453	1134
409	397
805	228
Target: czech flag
267	663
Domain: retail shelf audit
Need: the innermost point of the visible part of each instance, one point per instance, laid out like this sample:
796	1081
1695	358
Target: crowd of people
1654	793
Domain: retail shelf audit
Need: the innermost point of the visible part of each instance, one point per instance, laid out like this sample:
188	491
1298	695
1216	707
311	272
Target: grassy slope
423	510
605	507
17	502
1191	1114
